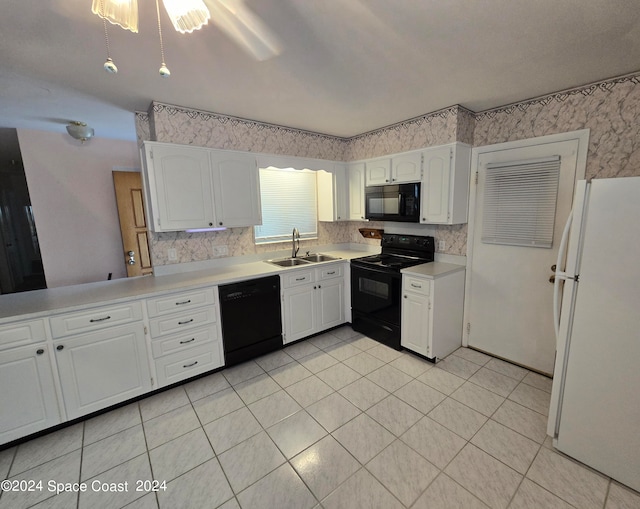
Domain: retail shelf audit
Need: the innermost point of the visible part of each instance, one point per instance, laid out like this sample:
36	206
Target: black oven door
375	304
376	293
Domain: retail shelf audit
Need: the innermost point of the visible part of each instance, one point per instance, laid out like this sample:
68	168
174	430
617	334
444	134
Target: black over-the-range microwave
397	202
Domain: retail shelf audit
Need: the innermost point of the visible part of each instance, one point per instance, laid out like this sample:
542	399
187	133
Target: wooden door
133	222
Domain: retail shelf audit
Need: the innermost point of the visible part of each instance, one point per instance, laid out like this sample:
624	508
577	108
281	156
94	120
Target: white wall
74	204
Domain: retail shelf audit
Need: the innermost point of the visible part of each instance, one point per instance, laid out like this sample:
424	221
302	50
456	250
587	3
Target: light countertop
433	270
41	303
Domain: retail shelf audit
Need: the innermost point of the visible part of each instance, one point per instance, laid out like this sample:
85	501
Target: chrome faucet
295	241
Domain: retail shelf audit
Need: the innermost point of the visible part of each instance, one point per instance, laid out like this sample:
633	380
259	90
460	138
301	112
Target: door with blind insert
522	199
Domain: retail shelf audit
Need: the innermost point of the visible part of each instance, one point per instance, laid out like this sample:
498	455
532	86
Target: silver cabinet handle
189	365
188	341
185	322
95	320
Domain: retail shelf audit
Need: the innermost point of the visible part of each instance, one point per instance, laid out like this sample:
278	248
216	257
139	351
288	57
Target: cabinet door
340	190
332	193
299	313
180	187
28	400
330	307
356	191
416	327
236	189
378	172
406	167
436	185
102	368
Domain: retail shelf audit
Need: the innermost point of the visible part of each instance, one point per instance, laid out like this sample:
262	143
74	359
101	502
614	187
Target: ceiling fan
233	17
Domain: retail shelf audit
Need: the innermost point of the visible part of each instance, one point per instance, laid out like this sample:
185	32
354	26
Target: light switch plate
441	245
172	254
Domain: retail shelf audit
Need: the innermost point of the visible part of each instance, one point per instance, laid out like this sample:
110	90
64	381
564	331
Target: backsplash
193	247
610	109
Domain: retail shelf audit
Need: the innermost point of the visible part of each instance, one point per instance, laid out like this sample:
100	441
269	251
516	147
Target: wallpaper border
560	96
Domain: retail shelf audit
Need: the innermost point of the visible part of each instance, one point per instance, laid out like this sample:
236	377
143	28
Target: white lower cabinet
432	310
313	300
185	335
28	400
100	369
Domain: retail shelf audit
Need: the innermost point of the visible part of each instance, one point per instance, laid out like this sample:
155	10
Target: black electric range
376	284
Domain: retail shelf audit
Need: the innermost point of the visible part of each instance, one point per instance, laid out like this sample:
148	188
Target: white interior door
509	297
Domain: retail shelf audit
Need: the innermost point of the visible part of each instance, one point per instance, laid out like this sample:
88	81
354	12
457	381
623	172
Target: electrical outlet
172	254
220	251
441	245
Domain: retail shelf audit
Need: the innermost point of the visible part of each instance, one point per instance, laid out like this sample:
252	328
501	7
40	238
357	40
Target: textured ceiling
346	67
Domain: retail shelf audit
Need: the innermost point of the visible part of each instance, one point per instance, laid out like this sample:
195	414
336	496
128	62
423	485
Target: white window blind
288	201
520	202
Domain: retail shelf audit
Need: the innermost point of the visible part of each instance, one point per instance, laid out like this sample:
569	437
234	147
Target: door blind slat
520	202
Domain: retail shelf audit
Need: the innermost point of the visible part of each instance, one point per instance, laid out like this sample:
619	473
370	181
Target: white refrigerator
594	415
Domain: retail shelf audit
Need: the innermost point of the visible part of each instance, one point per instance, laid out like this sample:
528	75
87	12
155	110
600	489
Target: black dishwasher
251	318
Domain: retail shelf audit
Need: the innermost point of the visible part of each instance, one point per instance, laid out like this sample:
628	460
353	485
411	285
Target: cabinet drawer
179	342
179	302
21	333
300	277
417	285
182	321
330	272
191	362
94	319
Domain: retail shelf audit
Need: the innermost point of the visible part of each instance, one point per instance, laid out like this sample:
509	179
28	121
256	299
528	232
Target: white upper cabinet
178	182
193	187
332	189
378	171
355	180
397	169
236	189
445	184
406	167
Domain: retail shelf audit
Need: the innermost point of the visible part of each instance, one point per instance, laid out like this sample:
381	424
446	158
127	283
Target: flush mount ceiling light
80	130
186	16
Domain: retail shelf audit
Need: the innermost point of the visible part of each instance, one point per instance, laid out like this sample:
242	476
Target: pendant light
123	13
187	15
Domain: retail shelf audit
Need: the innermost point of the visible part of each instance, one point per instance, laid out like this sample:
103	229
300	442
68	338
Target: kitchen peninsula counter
41	303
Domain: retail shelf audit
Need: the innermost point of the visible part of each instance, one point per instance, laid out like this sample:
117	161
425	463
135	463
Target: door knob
131	260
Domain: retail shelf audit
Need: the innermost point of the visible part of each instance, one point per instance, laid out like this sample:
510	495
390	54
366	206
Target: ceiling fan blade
235	19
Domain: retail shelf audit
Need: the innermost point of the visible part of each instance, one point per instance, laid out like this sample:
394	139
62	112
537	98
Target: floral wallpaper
610	109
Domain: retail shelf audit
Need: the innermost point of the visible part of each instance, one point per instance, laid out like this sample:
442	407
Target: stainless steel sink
302	260
288	262
319	257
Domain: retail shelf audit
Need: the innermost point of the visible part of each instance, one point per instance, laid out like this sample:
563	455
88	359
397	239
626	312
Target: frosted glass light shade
187	15
80	131
119	12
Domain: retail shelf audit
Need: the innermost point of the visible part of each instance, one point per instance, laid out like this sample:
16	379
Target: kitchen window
289	201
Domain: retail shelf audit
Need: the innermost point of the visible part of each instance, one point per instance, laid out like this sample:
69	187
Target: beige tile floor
336	421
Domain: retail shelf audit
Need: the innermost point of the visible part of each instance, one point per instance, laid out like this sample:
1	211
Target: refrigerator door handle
560	275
